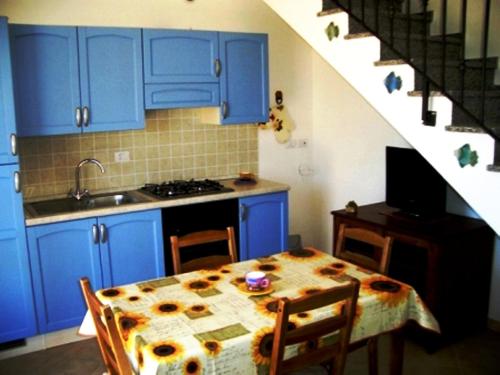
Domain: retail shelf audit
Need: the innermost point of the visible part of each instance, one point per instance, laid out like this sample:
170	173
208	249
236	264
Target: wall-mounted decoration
332	31
466	156
278	120
393	82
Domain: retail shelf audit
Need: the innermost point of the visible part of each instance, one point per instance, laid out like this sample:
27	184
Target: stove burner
184	188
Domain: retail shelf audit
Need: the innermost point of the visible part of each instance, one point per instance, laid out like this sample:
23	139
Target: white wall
349	139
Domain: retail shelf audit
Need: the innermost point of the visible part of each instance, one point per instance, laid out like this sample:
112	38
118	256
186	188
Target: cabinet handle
243	212
13	144
103	233
95	234
85	116
217	67
78	117
17	182
224	109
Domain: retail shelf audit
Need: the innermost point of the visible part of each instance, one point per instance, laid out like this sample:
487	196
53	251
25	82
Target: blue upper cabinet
16	300
180	56
8	146
45	62
263	225
68	79
181	68
244	83
112	88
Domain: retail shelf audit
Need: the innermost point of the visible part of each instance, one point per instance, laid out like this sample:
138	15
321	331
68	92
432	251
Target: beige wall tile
174	145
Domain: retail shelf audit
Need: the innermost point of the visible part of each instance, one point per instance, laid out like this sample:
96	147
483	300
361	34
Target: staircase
439	61
427	84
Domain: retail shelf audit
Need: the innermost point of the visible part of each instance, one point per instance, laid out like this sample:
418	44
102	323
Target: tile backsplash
174	145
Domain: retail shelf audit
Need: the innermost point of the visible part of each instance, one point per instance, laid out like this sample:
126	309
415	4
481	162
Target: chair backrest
203	237
108	336
334	352
377	260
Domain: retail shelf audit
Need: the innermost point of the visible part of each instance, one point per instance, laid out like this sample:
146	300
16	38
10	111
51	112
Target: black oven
181	220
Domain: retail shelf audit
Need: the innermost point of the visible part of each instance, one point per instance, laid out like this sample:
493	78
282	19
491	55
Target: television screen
412	184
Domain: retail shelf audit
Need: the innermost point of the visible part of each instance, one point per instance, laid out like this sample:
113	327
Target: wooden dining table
207	322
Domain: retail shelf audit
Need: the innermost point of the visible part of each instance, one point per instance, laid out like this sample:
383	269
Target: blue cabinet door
244	83
60	254
263	225
131	247
111	79
7	116
180	56
46	80
16	299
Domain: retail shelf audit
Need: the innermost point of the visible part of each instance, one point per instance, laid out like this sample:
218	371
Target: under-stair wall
355	60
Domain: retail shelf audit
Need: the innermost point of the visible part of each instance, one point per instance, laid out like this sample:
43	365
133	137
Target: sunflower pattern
192	366
167	308
328	271
212	347
165	351
267	267
111	294
262	346
389	292
197	311
268	306
197	322
303	255
129	321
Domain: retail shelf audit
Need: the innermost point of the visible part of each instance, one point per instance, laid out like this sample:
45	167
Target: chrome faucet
78	193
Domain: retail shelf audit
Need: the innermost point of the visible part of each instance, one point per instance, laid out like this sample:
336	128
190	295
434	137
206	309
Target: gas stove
184	188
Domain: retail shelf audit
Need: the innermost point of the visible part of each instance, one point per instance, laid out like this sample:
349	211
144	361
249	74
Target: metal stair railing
359	10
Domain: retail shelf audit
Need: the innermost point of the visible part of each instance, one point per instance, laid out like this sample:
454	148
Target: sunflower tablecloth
204	322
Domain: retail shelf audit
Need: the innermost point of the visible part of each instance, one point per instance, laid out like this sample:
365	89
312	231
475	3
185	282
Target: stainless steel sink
67	205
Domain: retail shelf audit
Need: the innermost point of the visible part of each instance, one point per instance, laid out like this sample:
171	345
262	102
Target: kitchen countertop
240	190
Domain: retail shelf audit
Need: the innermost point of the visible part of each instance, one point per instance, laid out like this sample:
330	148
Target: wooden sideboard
446	259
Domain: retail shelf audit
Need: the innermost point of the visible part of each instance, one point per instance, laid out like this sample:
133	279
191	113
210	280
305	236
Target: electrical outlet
122	156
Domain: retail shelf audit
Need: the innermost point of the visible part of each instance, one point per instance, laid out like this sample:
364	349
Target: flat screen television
412	184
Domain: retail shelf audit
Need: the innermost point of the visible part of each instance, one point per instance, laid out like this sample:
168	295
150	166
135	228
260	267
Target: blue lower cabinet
131	247
263	225
108	250
16	299
60	255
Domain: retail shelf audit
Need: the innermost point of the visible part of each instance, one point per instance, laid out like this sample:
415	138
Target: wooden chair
378	262
108	337
333	354
203	237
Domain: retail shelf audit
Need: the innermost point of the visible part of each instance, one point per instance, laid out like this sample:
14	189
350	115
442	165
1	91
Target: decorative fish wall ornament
466	156
392	82
332	31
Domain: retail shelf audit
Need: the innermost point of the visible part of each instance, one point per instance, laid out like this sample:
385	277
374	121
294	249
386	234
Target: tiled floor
476	355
